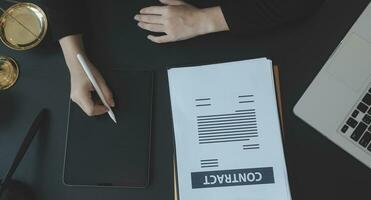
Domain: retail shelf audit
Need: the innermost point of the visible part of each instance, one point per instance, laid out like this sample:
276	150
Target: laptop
338	101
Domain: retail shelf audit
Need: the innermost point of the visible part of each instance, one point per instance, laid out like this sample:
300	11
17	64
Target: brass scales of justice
22	27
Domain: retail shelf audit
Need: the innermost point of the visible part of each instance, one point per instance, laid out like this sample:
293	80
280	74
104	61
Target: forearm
71	46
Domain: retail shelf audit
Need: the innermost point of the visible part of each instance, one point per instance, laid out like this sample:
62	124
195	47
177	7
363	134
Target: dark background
317	168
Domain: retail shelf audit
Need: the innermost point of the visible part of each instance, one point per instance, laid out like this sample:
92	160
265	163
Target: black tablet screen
102	153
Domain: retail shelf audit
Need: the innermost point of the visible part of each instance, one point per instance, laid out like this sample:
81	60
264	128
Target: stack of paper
227	132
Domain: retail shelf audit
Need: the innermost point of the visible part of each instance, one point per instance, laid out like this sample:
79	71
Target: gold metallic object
23	26
9	72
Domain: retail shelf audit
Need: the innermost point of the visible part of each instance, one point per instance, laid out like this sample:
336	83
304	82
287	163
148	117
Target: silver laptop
338	101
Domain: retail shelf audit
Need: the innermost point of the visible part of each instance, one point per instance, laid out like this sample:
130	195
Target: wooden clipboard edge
277	84
175	181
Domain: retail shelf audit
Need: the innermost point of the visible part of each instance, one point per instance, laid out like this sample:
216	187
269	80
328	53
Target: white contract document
227	132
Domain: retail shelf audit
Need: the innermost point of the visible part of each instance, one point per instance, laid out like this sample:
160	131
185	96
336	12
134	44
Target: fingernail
136	17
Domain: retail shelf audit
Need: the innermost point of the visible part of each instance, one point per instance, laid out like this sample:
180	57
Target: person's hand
180	21
81	87
81	90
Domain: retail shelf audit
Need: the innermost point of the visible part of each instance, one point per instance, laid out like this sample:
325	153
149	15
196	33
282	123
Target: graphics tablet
102	153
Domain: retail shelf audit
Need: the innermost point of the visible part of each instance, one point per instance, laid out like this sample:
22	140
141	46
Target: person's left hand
177	19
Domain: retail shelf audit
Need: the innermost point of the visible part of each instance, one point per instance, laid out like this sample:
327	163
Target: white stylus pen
95	85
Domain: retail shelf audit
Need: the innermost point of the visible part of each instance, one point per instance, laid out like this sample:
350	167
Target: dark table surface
317	168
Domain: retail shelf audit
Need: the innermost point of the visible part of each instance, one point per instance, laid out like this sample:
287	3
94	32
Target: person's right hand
81	87
81	90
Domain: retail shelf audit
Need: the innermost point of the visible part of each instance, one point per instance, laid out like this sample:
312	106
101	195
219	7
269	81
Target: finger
89	107
156	10
83	99
93	109
160	39
152	27
151	19
99	109
173	2
108	96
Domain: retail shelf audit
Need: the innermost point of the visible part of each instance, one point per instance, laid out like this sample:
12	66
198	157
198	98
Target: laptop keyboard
357	127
